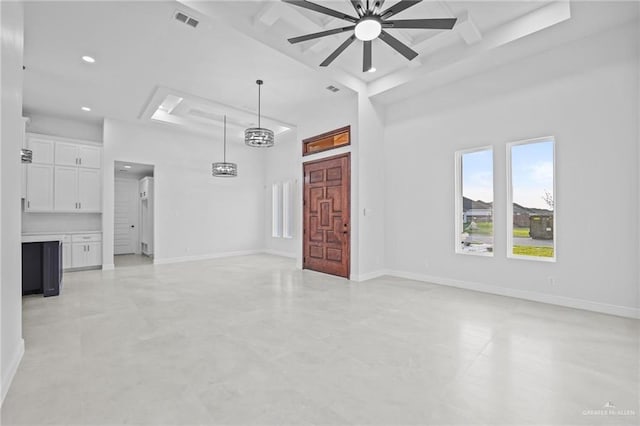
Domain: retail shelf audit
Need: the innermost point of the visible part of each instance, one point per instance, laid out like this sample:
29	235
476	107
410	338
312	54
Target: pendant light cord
224	155
259	84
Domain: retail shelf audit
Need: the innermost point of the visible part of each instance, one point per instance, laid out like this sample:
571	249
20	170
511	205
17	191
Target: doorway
327	215
133	214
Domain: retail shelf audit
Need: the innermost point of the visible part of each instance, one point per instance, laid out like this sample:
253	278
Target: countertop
36	237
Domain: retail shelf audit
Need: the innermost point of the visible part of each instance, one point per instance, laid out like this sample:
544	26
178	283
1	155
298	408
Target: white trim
605	308
459	207
109	267
54	138
369	275
279	253
205	256
510	254
12	370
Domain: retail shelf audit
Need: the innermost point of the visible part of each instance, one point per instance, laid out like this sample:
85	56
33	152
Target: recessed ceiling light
88	59
86	109
372	69
126	166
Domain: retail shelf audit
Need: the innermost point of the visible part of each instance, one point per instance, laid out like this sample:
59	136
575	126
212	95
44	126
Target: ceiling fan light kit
259	137
370	24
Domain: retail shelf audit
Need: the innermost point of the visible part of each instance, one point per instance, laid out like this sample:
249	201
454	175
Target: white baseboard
12	370
108	267
280	253
369	275
157	261
622	311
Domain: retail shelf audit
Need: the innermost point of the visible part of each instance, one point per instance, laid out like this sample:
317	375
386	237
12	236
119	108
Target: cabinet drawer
86	238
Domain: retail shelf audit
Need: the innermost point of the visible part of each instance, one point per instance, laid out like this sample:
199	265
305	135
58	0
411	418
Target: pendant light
224	169
26	156
257	136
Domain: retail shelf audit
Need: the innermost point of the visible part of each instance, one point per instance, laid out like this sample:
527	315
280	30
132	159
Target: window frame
509	194
459	208
332	133
288	195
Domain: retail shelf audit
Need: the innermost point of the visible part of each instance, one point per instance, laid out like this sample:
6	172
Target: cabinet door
78	255
42	150
66	255
90	156
89	190
66	189
39	188
94	254
67	154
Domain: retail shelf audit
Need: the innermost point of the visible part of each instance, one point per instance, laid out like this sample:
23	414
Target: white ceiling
124	169
138	47
142	50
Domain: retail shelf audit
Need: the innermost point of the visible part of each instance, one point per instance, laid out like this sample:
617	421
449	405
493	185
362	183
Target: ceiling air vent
186	19
333	89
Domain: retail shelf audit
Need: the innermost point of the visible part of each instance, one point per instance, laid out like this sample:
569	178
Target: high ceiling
141	50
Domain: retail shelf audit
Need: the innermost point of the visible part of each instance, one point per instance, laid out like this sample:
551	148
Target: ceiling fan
370	23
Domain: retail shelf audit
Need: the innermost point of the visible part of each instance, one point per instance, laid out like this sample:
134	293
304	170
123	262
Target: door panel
327	234
90	157
126	202
66	189
89	190
66	154
39	187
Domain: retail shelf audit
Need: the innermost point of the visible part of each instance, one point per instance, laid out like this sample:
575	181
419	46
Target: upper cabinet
73	154
42	149
65	175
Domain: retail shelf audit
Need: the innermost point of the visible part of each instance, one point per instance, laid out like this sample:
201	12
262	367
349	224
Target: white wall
589	102
12	42
196	215
64	127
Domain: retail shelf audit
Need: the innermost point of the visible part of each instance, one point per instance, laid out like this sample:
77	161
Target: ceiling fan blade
338	51
358	7
366	63
434	24
377	5
402	48
321	9
307	37
398	7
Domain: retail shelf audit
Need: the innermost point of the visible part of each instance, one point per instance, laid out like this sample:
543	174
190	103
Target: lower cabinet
86	250
66	252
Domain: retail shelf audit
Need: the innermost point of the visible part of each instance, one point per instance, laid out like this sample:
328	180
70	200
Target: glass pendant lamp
259	137
224	169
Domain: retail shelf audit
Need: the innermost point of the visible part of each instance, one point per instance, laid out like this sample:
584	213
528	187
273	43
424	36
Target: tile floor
131	260
251	340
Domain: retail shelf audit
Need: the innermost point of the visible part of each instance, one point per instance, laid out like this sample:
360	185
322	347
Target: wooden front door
327	234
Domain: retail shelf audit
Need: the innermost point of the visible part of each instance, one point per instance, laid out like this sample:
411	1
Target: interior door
327	233
126	216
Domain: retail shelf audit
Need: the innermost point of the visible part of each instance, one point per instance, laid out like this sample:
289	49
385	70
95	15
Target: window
330	140
474	201
530	199
287	209
276	210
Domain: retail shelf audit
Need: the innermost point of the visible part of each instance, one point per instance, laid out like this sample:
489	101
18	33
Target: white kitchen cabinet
66	154
146	215
42	149
89	190
39	188
90	157
77	189
66	252
66	189
86	250
73	154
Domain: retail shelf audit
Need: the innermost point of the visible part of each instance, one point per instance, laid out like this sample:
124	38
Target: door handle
133	226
